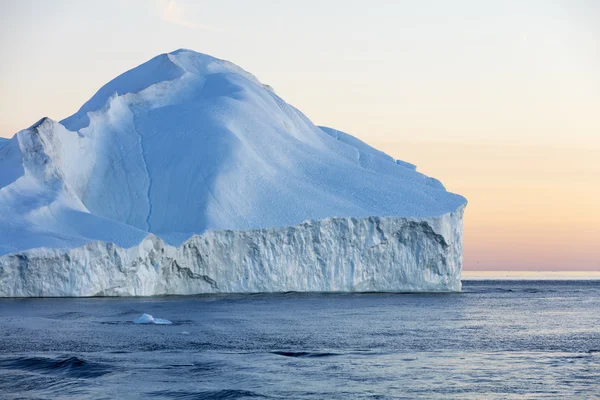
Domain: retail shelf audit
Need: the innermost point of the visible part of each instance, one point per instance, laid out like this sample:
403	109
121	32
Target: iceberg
187	175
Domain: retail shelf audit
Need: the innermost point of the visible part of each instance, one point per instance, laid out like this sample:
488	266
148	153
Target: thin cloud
173	12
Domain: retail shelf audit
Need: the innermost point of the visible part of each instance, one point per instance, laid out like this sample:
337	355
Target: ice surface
187	144
149	319
364	149
144	319
159	321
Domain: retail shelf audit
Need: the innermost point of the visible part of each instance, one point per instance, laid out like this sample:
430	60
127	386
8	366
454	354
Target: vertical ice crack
143	154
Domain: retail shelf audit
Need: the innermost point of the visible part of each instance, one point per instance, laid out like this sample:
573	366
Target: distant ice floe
146	319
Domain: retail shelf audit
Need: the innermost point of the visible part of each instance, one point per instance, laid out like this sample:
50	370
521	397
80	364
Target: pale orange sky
499	100
532	208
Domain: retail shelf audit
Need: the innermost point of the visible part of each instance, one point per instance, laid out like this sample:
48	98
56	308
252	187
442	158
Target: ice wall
330	255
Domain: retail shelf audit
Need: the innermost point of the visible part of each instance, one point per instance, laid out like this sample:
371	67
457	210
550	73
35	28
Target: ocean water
497	339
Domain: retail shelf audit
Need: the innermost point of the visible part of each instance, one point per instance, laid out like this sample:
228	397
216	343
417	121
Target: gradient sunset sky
500	100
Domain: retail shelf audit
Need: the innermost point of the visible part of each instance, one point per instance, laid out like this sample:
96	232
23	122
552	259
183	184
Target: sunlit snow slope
186	144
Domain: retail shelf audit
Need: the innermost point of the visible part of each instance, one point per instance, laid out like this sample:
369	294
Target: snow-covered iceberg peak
187	144
159	82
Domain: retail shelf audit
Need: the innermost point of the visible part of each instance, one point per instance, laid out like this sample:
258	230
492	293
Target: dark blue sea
496	340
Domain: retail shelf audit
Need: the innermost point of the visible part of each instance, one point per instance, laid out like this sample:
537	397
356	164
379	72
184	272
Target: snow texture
186	145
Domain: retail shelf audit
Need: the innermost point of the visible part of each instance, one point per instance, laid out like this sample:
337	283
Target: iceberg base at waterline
383	254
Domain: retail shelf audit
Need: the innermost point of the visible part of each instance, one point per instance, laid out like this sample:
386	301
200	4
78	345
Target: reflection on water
496	340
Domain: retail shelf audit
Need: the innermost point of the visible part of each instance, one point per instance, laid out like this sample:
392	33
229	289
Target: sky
499	100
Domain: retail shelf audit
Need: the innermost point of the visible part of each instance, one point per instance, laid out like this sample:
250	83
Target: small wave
479	290
534	290
203	368
21	384
74	367
227	394
68	315
185	322
303	354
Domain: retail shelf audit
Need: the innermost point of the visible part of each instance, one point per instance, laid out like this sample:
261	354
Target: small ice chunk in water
158	321
149	319
144	319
